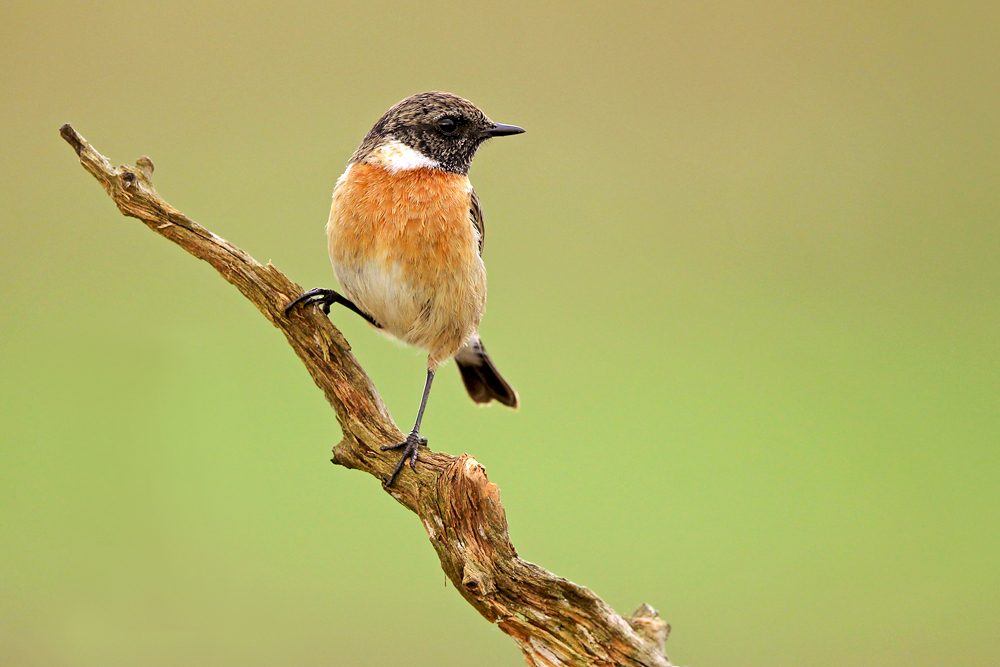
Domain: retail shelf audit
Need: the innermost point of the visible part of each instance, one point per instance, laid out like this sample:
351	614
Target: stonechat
406	242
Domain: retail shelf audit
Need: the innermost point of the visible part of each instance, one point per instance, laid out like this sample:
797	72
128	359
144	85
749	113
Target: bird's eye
447	125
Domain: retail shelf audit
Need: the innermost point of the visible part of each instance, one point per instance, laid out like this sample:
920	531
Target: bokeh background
744	272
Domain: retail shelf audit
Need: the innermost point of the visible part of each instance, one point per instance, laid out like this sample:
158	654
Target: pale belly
438	316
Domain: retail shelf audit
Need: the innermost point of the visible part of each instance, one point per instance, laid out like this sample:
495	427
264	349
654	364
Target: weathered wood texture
554	621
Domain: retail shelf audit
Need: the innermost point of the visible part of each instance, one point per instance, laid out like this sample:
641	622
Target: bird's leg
326	298
411	445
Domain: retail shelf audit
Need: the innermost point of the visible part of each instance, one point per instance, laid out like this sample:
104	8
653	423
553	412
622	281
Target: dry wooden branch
554	621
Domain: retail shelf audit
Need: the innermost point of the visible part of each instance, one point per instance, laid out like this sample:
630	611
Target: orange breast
418	219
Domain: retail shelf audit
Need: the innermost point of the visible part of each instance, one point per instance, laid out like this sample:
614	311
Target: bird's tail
482	379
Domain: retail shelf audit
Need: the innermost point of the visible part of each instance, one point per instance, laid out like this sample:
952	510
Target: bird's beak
500	130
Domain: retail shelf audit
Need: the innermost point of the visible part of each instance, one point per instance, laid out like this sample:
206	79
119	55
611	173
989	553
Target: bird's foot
410	447
326	298
318	296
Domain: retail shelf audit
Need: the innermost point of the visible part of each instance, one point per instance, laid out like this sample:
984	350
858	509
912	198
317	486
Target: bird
405	237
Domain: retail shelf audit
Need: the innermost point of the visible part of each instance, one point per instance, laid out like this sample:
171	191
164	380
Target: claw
411	448
326	297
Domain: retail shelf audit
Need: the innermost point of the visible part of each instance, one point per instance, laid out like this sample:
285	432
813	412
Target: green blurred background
744	272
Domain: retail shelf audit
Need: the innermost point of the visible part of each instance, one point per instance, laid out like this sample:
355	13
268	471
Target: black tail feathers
482	379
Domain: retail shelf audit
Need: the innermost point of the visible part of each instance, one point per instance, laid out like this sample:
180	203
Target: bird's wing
476	216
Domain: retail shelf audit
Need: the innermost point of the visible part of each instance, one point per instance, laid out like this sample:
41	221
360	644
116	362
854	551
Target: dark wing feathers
476	214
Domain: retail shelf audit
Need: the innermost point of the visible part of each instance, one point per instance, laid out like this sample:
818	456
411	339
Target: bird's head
432	129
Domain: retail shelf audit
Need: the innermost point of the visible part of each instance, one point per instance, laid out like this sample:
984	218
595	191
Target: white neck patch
394	156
